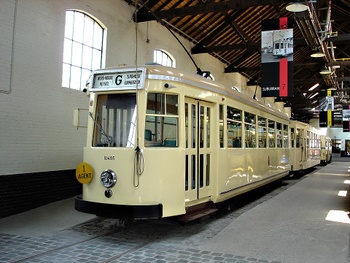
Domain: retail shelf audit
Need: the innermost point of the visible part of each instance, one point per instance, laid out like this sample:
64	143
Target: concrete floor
307	221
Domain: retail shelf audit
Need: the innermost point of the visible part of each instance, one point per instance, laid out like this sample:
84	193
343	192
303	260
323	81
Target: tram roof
210	85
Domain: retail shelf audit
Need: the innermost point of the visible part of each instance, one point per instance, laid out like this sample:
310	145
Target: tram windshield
115	121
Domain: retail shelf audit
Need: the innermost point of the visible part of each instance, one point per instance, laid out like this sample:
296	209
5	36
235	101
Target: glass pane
87	57
84	77
262	137
66	76
161	131
186	123
78	27
96	59
67	51
193	163
262	132
170	132
285	137
115	121
208	127
171	104
75	78
155	103
234	134
250	136
201	170
249	118
194	125
186	173
68	32
298	140
202	127
98	36
88	31
77	54
272	133
207	183
234	114
279	134
292	135
221	126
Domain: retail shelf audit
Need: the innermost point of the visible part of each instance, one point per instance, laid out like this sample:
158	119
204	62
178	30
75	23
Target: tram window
285	136
279	134
204	126
308	139
271	132
221	125
262	132
161	127
234	128
155	103
250	130
292	135
208	126
298	138
193	126
115	120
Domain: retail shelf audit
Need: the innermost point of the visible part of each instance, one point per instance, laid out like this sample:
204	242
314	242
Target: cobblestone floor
110	240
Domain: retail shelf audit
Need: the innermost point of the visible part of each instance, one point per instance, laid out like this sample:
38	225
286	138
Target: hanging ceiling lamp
318	54
325	71
296	7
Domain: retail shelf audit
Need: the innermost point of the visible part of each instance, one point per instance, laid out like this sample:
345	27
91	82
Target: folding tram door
198	123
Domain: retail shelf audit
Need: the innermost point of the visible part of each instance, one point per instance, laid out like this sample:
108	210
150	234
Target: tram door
198	116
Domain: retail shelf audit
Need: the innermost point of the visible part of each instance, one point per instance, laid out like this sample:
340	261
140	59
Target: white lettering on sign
119	80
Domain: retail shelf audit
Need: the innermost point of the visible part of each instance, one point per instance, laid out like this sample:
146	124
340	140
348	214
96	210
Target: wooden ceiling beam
208	7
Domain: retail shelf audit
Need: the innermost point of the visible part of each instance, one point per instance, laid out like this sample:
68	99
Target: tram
283	47
164	143
326	150
305	146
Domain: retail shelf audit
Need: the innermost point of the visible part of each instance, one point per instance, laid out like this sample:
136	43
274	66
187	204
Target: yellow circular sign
83	173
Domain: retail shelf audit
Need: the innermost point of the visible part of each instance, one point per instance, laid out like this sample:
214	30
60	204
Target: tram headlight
108	178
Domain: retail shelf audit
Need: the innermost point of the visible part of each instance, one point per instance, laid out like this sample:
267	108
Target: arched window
83	49
163	58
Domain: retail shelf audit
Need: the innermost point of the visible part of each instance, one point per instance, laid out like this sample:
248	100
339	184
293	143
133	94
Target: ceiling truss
231	32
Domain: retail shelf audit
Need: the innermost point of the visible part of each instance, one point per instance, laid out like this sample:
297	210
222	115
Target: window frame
82	53
164	55
160	116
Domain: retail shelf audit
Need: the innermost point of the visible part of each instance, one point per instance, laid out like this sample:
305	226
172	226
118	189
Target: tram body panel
160	183
248	169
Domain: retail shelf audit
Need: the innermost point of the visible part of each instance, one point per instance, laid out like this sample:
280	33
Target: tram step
198	211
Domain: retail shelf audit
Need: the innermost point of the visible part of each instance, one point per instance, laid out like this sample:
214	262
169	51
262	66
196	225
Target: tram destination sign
118	80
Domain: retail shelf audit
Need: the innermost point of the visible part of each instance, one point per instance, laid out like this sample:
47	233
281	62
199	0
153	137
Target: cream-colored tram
326	150
305	146
161	143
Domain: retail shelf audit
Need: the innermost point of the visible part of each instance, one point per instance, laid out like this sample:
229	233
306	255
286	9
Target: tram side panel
248	163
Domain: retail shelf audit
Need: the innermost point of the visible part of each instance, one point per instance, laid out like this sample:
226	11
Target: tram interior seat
148	135
149	140
170	142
